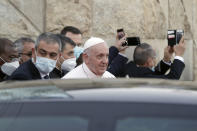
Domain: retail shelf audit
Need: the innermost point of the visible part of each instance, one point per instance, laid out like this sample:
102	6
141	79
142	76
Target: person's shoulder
131	63
23	72
19	75
113	49
130	66
73	73
108	75
26	64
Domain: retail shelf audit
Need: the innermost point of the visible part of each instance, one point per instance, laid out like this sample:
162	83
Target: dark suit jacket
57	74
117	62
26	71
176	70
3	76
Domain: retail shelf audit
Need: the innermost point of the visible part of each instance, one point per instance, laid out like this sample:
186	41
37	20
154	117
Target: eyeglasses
2	59
27	54
11	59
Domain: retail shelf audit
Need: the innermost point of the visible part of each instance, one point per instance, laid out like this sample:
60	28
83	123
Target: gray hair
142	52
49	38
19	43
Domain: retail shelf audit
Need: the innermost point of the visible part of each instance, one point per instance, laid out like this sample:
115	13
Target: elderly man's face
97	60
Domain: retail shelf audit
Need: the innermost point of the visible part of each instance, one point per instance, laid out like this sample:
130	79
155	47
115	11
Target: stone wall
148	19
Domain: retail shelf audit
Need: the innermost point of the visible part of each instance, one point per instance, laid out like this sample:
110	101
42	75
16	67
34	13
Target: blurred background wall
149	19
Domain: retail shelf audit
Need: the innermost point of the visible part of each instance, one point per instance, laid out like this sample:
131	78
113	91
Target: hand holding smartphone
130	41
120	33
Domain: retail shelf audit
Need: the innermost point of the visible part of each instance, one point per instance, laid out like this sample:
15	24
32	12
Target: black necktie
46	77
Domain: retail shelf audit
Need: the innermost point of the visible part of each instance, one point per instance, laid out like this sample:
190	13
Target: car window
44	123
156	124
32	93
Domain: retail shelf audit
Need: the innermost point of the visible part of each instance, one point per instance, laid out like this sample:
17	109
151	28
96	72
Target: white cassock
82	71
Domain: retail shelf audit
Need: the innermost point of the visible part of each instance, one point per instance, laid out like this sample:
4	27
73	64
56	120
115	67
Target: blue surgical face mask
77	51
45	65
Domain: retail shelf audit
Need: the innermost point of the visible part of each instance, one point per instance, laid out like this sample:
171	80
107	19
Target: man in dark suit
67	60
26	71
117	58
118	61
144	62
44	58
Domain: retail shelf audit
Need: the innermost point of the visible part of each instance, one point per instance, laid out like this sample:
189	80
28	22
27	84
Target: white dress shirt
82	71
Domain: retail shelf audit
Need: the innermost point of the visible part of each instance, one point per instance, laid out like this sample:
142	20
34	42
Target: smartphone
174	36
179	34
171	36
120	33
133	41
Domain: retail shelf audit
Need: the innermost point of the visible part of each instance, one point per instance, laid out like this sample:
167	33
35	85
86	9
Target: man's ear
147	63
60	59
85	58
60	54
34	54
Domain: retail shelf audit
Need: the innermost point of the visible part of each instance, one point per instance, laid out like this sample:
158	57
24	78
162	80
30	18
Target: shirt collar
88	72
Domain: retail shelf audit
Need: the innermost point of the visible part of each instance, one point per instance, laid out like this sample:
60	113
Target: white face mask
45	65
69	64
9	68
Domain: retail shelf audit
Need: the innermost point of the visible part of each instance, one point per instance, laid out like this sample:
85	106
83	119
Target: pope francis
95	61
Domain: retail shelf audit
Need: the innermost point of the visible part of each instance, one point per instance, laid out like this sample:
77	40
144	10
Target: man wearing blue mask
44	58
74	34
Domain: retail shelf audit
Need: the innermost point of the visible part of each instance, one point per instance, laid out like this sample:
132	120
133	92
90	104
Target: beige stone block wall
14	23
149	19
60	13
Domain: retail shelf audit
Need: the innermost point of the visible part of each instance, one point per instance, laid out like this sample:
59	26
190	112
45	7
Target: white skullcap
92	42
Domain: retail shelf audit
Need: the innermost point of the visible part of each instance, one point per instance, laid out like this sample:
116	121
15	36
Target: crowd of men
64	56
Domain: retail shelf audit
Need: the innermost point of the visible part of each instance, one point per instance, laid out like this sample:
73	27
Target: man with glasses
44	57
24	47
8	58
